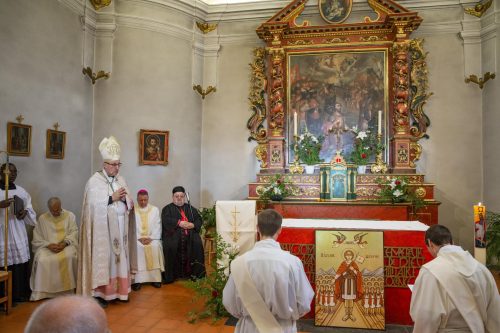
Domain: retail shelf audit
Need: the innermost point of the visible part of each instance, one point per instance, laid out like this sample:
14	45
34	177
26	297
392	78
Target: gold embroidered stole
59	225
148	249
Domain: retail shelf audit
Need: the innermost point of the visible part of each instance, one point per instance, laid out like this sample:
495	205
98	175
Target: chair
6	278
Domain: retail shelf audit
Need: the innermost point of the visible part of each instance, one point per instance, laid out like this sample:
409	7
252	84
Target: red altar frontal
404	254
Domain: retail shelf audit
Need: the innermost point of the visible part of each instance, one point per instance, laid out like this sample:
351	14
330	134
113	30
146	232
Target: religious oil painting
18	139
480	226
335	11
350	279
337	95
56	142
153	147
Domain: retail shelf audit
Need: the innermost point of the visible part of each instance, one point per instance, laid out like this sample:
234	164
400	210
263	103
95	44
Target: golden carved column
402	139
276	118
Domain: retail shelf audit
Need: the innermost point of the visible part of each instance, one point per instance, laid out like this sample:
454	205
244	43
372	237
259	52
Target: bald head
68	314
54	205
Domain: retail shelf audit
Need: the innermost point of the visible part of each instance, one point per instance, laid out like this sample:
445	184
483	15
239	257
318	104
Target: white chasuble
149	257
52	273
107	252
237	223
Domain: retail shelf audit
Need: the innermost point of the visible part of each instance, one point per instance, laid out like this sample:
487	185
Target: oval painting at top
335	11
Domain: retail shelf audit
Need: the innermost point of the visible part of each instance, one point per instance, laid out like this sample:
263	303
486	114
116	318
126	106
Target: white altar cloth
354	224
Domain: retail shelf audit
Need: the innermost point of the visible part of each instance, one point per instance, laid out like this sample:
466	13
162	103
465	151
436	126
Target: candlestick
295	123
295	167
379	122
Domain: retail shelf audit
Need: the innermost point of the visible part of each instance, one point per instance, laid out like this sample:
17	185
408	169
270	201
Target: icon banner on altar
350	279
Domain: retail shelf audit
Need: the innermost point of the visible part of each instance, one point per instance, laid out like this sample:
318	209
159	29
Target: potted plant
209	221
493	240
397	190
210	287
276	189
363	150
308	148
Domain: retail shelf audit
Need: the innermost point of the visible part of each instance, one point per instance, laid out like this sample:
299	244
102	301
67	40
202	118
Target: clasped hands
186	225
119	194
56	248
145	240
6	203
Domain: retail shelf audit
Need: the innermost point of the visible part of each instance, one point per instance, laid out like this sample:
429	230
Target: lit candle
480	233
379	122
295	123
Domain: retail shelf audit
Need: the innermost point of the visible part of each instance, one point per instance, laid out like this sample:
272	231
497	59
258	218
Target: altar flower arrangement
397	189
308	148
211	286
276	189
363	147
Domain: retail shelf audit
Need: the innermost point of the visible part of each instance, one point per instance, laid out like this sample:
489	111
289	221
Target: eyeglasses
114	164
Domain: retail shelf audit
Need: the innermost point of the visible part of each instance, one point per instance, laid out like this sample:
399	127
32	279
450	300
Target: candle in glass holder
480	233
295	123
379	122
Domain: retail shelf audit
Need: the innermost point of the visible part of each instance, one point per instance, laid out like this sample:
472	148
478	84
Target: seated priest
182	248
55	242
149	249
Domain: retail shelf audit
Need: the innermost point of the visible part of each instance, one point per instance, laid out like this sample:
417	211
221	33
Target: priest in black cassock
182	247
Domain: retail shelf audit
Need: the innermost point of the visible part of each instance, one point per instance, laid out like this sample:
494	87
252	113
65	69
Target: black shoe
102	302
156	284
136	286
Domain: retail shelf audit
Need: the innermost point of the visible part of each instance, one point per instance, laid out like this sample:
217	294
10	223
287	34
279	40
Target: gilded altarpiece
336	75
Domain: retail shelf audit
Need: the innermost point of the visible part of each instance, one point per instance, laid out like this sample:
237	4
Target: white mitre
110	149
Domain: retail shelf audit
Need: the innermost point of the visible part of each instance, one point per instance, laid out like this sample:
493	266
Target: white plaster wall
150	88
228	159
452	157
41	78
491	121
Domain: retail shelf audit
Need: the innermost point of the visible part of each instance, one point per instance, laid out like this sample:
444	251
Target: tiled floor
161	310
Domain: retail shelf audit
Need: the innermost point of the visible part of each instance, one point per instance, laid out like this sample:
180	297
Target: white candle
295	123
379	122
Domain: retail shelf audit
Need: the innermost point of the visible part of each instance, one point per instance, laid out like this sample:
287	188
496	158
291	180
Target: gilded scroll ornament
336	40
98	4
418	89
261	154
301	42
479	9
257	96
480	81
205	28
415	152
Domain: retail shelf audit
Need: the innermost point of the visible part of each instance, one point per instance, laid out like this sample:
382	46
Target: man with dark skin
18	253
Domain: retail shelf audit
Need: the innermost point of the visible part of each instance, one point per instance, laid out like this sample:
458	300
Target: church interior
184	75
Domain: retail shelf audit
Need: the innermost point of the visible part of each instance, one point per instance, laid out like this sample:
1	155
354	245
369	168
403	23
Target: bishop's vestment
107	254
149	257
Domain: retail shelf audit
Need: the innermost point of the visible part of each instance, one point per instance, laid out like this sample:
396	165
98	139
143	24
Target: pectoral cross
235	224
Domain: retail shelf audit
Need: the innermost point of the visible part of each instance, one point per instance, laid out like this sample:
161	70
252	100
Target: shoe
136	286
102	302
156	284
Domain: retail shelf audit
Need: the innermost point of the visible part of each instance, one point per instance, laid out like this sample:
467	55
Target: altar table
404	253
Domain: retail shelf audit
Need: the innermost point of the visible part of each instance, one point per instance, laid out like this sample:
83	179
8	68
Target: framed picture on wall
153	147
18	139
56	142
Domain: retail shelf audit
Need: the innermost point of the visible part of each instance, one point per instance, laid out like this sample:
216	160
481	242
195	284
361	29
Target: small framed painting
18	139
56	141
153	147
